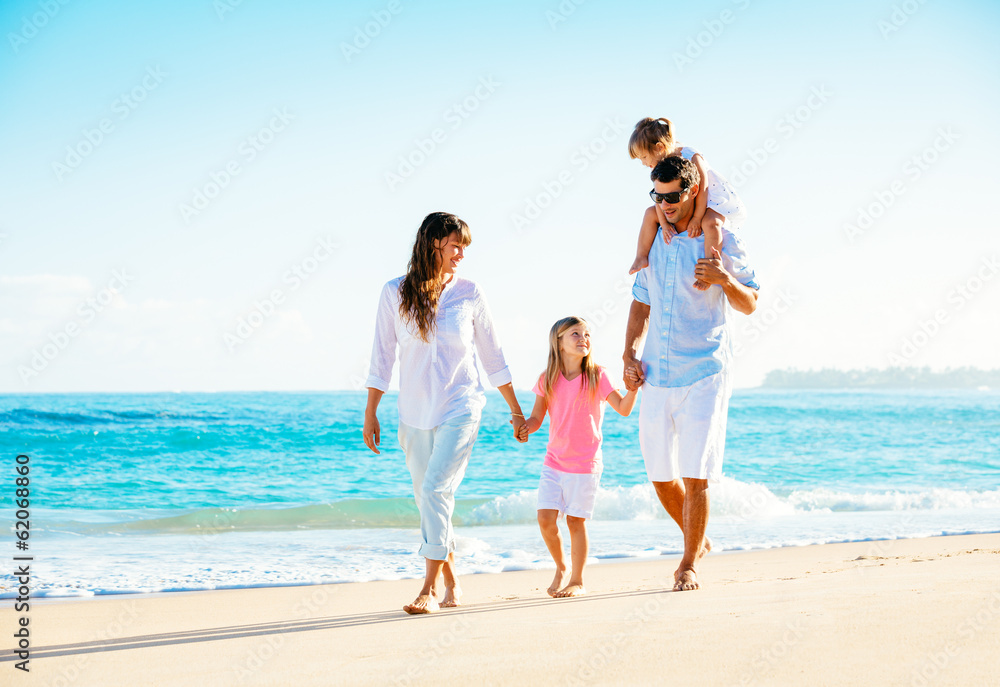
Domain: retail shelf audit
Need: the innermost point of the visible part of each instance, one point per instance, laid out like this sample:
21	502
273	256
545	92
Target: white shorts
682	430
571	493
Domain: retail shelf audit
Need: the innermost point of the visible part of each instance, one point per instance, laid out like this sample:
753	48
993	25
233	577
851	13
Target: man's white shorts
682	430
570	493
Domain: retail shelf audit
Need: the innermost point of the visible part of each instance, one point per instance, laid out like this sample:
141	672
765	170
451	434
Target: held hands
634	375
520	427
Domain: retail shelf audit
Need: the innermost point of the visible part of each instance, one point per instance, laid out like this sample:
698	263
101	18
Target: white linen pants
437	459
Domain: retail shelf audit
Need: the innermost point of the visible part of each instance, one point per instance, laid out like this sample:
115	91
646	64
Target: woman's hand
372	432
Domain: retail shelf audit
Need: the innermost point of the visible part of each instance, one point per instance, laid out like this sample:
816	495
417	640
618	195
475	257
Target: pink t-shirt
575	423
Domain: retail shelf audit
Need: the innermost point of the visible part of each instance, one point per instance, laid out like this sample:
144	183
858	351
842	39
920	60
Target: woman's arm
623	405
516	416
372	432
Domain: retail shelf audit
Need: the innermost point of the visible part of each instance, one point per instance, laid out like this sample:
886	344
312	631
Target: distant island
887	378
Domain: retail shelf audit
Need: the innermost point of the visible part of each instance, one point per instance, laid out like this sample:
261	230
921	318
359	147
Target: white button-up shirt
688	337
438	380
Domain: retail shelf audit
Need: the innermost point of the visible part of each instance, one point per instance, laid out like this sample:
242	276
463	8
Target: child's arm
534	423
622	404
652	219
701	200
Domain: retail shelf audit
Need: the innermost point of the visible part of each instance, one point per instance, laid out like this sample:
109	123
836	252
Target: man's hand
711	271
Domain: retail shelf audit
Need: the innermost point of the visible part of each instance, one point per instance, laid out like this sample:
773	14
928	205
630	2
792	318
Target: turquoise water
151	482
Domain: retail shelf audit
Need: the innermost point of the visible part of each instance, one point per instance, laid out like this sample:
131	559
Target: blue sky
862	137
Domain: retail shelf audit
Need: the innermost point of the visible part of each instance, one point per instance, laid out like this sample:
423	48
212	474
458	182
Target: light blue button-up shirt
688	337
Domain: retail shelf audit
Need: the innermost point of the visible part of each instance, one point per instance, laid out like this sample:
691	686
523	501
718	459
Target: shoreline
829	613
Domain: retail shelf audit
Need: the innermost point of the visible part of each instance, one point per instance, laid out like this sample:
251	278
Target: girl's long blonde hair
591	371
420	289
647	133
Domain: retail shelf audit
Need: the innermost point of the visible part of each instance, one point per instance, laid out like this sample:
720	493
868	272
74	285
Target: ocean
164	492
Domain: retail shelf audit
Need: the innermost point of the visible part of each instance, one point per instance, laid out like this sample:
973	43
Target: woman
439	322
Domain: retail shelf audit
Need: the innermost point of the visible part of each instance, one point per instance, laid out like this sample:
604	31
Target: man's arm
635	332
742	298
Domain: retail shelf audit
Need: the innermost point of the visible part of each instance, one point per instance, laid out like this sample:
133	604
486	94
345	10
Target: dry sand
904	612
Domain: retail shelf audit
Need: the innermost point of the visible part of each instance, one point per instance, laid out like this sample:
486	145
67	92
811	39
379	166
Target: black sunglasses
673	197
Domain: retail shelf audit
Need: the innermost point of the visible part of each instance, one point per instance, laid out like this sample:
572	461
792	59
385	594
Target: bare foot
639	263
452	597
557	583
701	285
425	603
705	548
570	590
686	580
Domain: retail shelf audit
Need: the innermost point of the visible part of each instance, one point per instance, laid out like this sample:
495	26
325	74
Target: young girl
651	141
572	390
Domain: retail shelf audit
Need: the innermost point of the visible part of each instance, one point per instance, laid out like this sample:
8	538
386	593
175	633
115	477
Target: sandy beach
899	612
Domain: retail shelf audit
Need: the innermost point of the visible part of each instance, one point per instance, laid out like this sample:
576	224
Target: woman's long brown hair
420	289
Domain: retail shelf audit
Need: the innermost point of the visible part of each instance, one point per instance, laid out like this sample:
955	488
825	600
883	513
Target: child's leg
579	546
711	224
647	234
548	523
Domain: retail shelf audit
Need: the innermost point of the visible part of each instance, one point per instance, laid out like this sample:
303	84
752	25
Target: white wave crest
732	499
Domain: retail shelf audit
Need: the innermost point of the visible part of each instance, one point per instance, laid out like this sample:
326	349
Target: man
686	362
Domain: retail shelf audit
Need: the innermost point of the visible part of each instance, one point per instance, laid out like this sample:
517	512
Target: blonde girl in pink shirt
572	390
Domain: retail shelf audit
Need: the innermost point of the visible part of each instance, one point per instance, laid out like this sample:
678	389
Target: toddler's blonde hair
647	133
